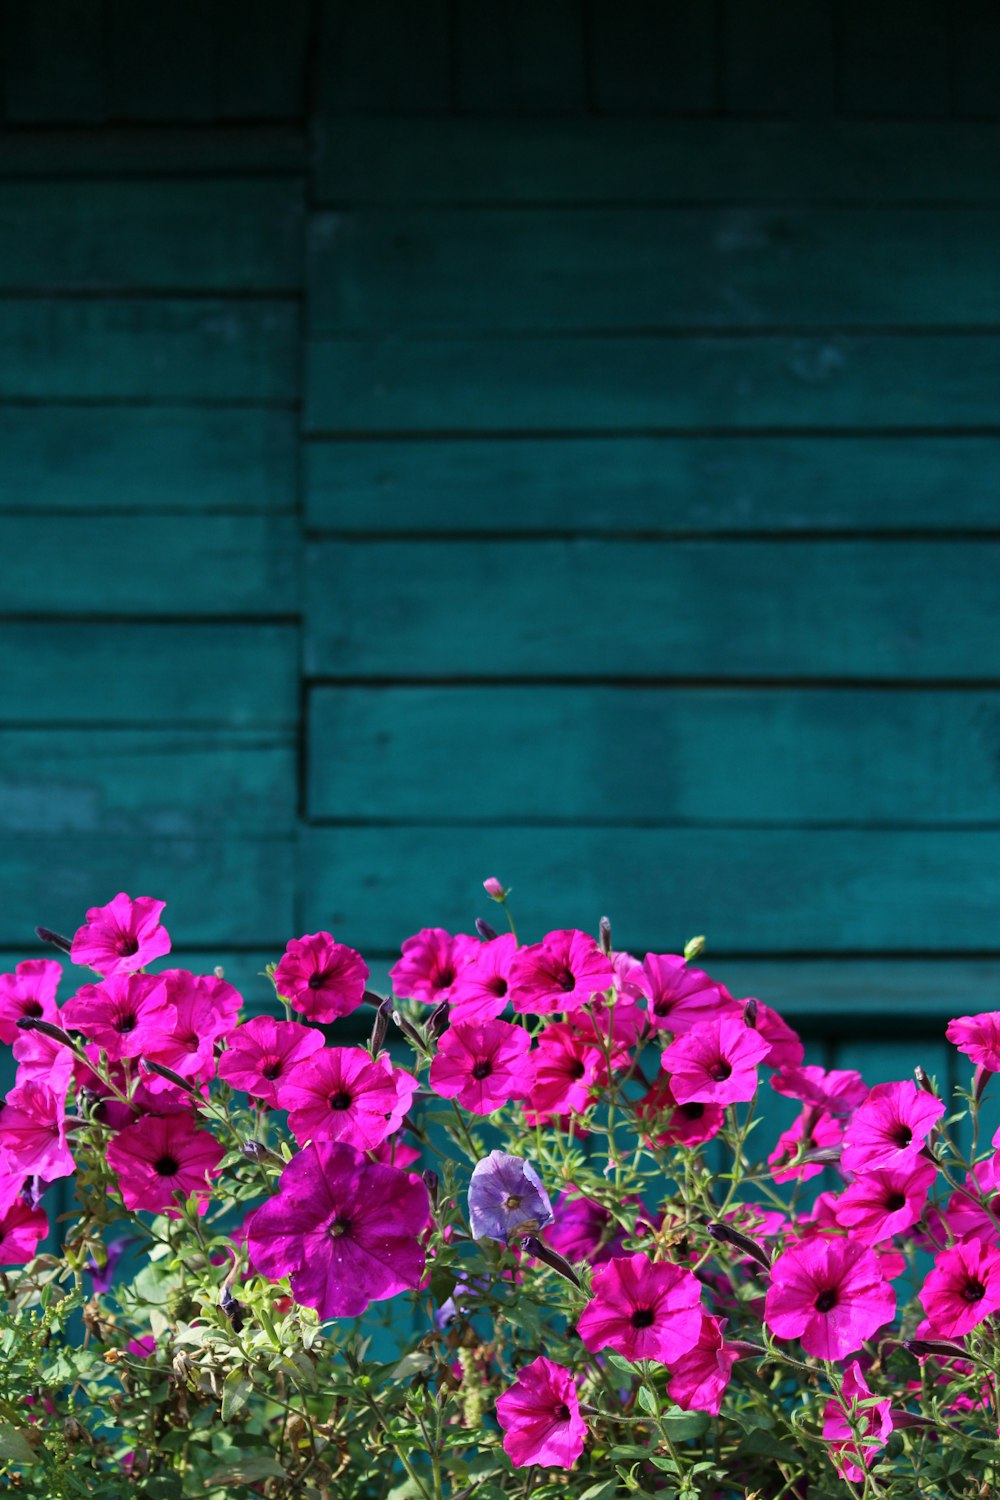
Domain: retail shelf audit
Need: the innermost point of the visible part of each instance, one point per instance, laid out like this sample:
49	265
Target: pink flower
122	936
33	1133
29	991
321	978
566	1071
679	997
642	1309
42	1059
560	973
880	1204
699	1378
406	1088
540	1417
889	1129
482	1064
968	1216
830	1293
837	1092
161	1156
125	1014
676	1124
494	889
716	1062
785	1049
342	1229
339	1094
203	1009
875	1421
978	1037
431	962
21	1228
963	1288
583	1230
482	983
263	1052
812	1131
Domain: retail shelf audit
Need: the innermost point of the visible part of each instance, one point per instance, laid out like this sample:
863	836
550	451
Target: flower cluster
532	1172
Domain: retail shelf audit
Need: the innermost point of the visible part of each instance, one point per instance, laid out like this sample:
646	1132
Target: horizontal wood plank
149	565
650	486
161	151
654	756
236	892
652	268
790	890
738	609
162	782
550	161
157	459
228	235
163	349
830	382
85	672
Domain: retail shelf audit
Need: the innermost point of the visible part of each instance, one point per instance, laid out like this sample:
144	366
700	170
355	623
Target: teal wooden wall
557	439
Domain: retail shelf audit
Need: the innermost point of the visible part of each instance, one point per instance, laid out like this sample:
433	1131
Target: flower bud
943	1348
381	1027
532	1245
431	1182
486	932
725	1234
231	1308
55	938
980	1079
256	1151
693	948
438	1022
604	936
495	890
46	1028
168	1073
750	1013
923	1082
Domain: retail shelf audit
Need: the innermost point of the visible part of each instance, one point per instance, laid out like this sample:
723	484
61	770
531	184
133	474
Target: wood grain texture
384	57
149	565
656	756
823	382
82	672
894	57
516	57
54	64
104	460
654	57
116	151
651	486
780	891
868	610
778	59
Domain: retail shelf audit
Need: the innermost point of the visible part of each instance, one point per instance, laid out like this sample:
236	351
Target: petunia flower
321	978
890	1128
125	1015
716	1062
506	1199
203	1008
698	1379
560	973
583	1230
540	1417
42	1059
812	1130
978	1037
122	936
963	1288
263	1052
872	1421
33	1133
969	1217
566	1070
482	983
784	1045
837	1092
345	1231
430	966
482	1064
340	1094
161	1156
676	1124
831	1294
642	1309
21	1229
29	991
678	997
880	1204
102	1277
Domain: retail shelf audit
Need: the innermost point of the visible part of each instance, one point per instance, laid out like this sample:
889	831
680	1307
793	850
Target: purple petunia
506	1199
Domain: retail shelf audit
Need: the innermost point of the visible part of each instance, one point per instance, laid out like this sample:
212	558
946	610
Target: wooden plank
142	673
163	151
243	968
153	565
652	486
55	69
662	756
895	57
847	996
648	161
161	782
894	1061
384	57
831	382
517	57
236	892
115	459
239	234
161	60
778	59
261	57
654	57
781	890
925	611
646	269
163	349
976	42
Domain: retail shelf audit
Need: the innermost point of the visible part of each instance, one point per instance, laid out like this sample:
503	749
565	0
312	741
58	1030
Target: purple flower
102	1276
506	1199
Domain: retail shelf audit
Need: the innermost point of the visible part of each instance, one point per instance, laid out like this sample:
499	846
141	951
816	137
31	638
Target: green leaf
684	1425
622	1365
605	1489
14	1446
236	1390
411	1364
647	1400
246	1471
761	1444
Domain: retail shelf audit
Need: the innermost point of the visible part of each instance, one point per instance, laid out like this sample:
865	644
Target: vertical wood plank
384	57
976	26
161	60
261	58
54	61
654	56
778	59
895	57
519	57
